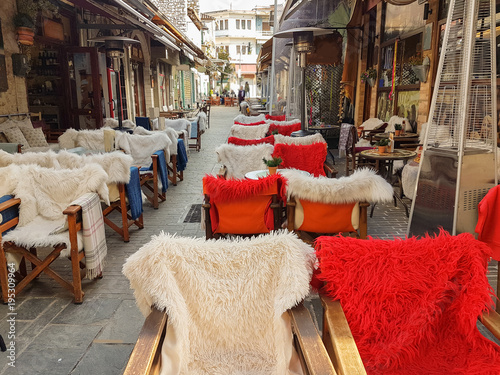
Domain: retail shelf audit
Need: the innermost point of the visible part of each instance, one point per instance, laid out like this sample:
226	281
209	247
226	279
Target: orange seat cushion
328	218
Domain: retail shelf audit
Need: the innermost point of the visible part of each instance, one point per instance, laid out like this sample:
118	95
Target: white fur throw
171	133
110	122
249	132
141	147
307	140
88	139
289	122
240	160
115	164
364	185
398	120
48	192
202	120
249	119
372	124
179	124
226	300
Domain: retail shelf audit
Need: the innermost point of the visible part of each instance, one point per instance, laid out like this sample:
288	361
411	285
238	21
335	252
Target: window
238	50
238	24
221	24
227	50
249	24
243	24
226	22
243	50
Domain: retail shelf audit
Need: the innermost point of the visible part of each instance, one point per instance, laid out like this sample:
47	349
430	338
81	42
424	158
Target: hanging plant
369	76
24	19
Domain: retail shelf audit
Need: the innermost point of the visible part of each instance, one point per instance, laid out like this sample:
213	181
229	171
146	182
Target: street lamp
303	41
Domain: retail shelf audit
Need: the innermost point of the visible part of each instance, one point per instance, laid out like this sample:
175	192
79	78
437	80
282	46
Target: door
84	88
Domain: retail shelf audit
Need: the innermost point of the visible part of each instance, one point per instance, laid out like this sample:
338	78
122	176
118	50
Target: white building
241	33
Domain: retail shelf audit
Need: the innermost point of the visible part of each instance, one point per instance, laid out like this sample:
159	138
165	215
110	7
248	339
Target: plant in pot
24	27
272	164
369	76
382	145
24	19
398	128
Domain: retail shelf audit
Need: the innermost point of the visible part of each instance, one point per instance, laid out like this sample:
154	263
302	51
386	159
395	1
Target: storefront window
384	106
408	105
443	8
404	19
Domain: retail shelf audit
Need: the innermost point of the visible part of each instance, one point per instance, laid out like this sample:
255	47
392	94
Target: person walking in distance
241	95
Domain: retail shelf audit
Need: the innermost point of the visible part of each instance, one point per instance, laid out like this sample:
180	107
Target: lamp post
303	42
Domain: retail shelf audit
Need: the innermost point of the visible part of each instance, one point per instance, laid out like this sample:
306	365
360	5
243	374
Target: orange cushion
243	217
327	218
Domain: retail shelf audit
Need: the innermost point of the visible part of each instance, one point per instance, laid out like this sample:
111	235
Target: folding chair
242	207
246	316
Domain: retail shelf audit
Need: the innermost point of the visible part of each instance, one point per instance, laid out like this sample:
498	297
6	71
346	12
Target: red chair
242	207
309	158
248	142
284	129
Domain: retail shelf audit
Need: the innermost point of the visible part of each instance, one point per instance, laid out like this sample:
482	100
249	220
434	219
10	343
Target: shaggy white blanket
88	139
48	192
171	133
115	164
226	300
180	125
141	147
249	119
249	132
364	185
372	124
398	120
307	140
240	160
289	122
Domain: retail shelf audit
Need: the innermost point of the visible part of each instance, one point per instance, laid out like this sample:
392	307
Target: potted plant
382	145
420	66
24	19
398	129
369	76
272	164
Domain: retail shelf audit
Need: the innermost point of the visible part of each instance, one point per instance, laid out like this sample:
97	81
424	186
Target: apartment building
241	33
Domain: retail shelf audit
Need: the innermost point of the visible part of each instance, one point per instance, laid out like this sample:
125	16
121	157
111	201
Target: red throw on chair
247	142
412	305
309	158
284	129
276	118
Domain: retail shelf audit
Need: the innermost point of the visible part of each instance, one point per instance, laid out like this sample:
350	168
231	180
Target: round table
398	139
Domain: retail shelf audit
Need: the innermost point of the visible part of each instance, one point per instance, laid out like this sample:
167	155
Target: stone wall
176	11
14	100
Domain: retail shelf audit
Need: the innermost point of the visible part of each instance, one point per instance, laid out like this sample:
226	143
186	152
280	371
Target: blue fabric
133	190
144	122
9	213
162	170
194	129
182	157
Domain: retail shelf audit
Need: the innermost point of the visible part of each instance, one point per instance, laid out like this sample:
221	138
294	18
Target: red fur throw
284	129
221	190
250	124
276	118
308	158
245	142
412	304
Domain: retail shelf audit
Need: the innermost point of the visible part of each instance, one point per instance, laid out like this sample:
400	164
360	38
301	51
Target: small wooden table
384	166
398	139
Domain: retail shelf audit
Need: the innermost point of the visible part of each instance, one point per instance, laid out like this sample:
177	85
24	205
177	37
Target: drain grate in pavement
194	214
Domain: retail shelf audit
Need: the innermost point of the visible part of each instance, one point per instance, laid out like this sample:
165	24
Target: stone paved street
54	336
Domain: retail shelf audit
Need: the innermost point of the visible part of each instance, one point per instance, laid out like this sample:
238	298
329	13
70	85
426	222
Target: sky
209	5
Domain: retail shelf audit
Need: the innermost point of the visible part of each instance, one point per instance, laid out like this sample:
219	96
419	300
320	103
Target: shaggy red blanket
250	124
284	129
309	158
246	142
276	118
412	305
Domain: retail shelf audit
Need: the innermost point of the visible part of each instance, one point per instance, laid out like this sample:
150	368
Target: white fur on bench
240	160
307	140
249	132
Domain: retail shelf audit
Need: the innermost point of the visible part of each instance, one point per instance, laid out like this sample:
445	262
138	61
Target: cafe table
384	165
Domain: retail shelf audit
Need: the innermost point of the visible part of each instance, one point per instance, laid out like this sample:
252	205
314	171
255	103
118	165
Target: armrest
491	320
222	172
145	357
330	170
338	337
9	203
311	347
290	214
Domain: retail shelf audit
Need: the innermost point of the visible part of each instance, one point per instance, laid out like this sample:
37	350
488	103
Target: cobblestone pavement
54	336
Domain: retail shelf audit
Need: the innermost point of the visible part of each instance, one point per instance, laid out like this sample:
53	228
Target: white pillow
372	124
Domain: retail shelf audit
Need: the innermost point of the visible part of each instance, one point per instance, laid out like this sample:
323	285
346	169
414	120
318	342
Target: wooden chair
206	108
352	160
330	206
149	180
238	160
21	233
368	134
435	318
242	207
312	356
196	133
122	206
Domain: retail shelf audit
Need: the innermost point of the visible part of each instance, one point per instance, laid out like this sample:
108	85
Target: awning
264	59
